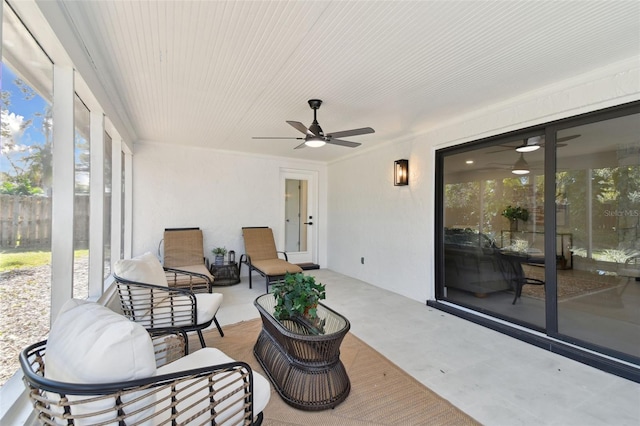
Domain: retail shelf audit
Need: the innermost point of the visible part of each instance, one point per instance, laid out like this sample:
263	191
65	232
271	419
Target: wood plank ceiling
215	73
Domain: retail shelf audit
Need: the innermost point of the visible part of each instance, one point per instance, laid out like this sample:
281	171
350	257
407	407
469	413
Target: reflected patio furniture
631	268
514	273
261	255
184	251
473	263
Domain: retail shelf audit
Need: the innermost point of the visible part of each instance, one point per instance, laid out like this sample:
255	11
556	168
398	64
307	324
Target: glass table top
328	321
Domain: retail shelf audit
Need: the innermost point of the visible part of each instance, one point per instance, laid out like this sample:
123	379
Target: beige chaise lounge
184	251
261	255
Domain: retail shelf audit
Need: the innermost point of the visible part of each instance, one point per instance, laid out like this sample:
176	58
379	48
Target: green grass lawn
28	259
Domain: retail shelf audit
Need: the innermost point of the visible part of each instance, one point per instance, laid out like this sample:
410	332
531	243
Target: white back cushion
145	269
89	343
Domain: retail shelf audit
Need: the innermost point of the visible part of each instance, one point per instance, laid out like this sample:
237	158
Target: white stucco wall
387	225
392	227
361	213
219	192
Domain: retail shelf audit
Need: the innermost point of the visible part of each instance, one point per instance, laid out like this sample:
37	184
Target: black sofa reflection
473	263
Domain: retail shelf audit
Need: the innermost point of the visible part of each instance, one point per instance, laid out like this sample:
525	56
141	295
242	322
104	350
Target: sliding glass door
541	228
493	229
598	203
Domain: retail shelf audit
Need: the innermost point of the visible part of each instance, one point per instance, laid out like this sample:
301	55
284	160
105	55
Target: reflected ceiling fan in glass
532	144
521	167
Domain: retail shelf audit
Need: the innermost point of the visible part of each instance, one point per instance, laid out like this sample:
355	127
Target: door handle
308	223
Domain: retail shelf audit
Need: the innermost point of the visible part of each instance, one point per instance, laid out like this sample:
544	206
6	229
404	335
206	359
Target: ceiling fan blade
505	148
352	132
342	143
302	145
558	140
274	137
567	138
299	126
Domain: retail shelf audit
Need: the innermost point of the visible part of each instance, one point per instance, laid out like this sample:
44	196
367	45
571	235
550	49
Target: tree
30	166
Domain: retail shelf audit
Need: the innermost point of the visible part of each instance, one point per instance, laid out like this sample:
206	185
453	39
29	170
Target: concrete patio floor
494	378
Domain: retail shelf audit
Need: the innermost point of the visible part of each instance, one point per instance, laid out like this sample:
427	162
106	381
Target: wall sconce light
401	172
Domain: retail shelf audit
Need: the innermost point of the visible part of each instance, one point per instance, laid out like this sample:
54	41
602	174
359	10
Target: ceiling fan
533	144
315	137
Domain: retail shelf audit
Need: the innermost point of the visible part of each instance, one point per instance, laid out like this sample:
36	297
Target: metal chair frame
73	403
161	306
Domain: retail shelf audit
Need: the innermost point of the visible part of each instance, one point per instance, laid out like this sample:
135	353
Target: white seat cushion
176	312
203	358
145	269
198	269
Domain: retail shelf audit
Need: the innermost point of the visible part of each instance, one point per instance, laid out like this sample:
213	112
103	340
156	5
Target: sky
18	112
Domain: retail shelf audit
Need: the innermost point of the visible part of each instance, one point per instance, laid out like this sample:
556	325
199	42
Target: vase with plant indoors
219	253
297	297
515	213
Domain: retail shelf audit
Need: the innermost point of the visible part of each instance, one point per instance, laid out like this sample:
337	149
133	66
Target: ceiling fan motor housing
315	129
314	103
315	132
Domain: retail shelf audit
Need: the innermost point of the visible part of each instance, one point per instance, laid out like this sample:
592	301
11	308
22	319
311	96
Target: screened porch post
64	187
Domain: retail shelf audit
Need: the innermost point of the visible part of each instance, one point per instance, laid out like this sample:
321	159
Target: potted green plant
297	297
515	213
219	253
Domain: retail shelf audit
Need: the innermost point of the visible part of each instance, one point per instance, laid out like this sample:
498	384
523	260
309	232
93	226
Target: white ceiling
216	73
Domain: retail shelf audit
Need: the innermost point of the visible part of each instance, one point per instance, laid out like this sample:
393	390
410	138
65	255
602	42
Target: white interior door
298	212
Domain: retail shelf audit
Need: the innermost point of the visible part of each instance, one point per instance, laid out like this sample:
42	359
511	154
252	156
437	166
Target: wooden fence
25	221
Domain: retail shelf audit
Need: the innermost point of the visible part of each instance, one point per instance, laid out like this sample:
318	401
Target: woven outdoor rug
381	392
571	283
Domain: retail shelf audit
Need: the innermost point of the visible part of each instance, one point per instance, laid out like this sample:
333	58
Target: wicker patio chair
261	255
78	380
184	251
147	298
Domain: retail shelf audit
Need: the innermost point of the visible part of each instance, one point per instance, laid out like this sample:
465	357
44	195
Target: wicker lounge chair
261	255
183	251
97	367
147	297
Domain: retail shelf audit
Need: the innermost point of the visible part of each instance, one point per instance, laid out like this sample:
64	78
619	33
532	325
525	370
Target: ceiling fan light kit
315	142
534	143
315	137
530	145
521	167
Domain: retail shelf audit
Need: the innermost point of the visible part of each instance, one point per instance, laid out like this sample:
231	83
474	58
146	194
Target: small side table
226	274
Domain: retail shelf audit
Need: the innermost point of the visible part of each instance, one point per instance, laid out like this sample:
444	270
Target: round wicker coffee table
302	362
